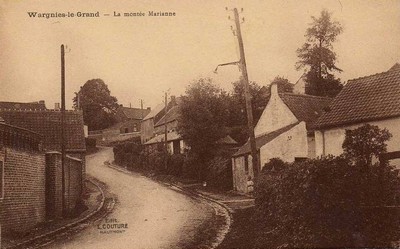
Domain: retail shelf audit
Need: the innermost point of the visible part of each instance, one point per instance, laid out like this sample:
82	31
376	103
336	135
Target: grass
243	231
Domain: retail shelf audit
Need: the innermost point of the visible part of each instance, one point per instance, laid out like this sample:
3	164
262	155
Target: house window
246	163
134	127
1	180
176	147
126	130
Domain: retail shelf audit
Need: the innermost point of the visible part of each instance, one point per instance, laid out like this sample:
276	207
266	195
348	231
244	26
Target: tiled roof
48	124
154	112
227	140
365	99
306	108
263	140
171	115
134	113
171	136
22	106
395	67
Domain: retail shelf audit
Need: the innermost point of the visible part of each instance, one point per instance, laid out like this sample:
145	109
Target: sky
142	57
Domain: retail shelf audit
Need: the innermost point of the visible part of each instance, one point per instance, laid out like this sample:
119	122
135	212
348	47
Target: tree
284	85
363	143
97	104
237	120
318	57
203	119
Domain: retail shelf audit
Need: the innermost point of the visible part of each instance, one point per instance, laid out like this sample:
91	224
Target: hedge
326	202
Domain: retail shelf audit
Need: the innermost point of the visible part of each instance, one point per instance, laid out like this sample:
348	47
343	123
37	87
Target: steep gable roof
48	124
154	112
373	97
134	113
171	115
306	108
263	139
40	105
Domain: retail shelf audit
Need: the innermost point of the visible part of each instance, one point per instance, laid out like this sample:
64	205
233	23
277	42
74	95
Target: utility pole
249	111
165	132
141	107
63	129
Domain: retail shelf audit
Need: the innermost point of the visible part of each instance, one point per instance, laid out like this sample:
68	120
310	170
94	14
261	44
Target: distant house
129	118
127	126
373	99
175	143
284	130
147	124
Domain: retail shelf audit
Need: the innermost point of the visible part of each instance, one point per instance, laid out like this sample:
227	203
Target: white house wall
275	115
286	146
334	137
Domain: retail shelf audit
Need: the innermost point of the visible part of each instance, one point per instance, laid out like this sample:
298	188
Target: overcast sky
140	57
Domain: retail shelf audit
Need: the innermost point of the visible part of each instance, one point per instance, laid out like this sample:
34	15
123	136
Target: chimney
57	106
41	102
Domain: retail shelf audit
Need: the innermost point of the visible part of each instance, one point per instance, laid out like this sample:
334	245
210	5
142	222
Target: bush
128	154
323	203
156	162
191	166
175	164
219	173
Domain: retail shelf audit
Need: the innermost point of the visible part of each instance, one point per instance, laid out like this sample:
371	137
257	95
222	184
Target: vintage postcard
199	124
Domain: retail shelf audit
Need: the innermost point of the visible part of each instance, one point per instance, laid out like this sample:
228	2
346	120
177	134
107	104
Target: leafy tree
363	143
284	85
97	104
203	119
238	102
318	56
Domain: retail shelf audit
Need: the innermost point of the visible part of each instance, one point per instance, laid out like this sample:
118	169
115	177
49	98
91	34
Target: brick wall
53	185
73	184
23	205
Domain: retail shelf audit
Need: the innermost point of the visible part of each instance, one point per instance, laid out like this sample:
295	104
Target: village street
156	216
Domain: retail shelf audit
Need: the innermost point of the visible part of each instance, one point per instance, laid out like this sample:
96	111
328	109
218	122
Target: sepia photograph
229	124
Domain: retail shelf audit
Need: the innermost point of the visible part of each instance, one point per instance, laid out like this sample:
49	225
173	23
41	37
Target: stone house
373	99
285	130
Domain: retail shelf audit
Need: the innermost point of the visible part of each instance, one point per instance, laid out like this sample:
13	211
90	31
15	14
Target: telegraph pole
63	129
141	107
165	131
249	111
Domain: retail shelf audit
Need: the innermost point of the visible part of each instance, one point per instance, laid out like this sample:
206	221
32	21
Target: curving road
156	216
